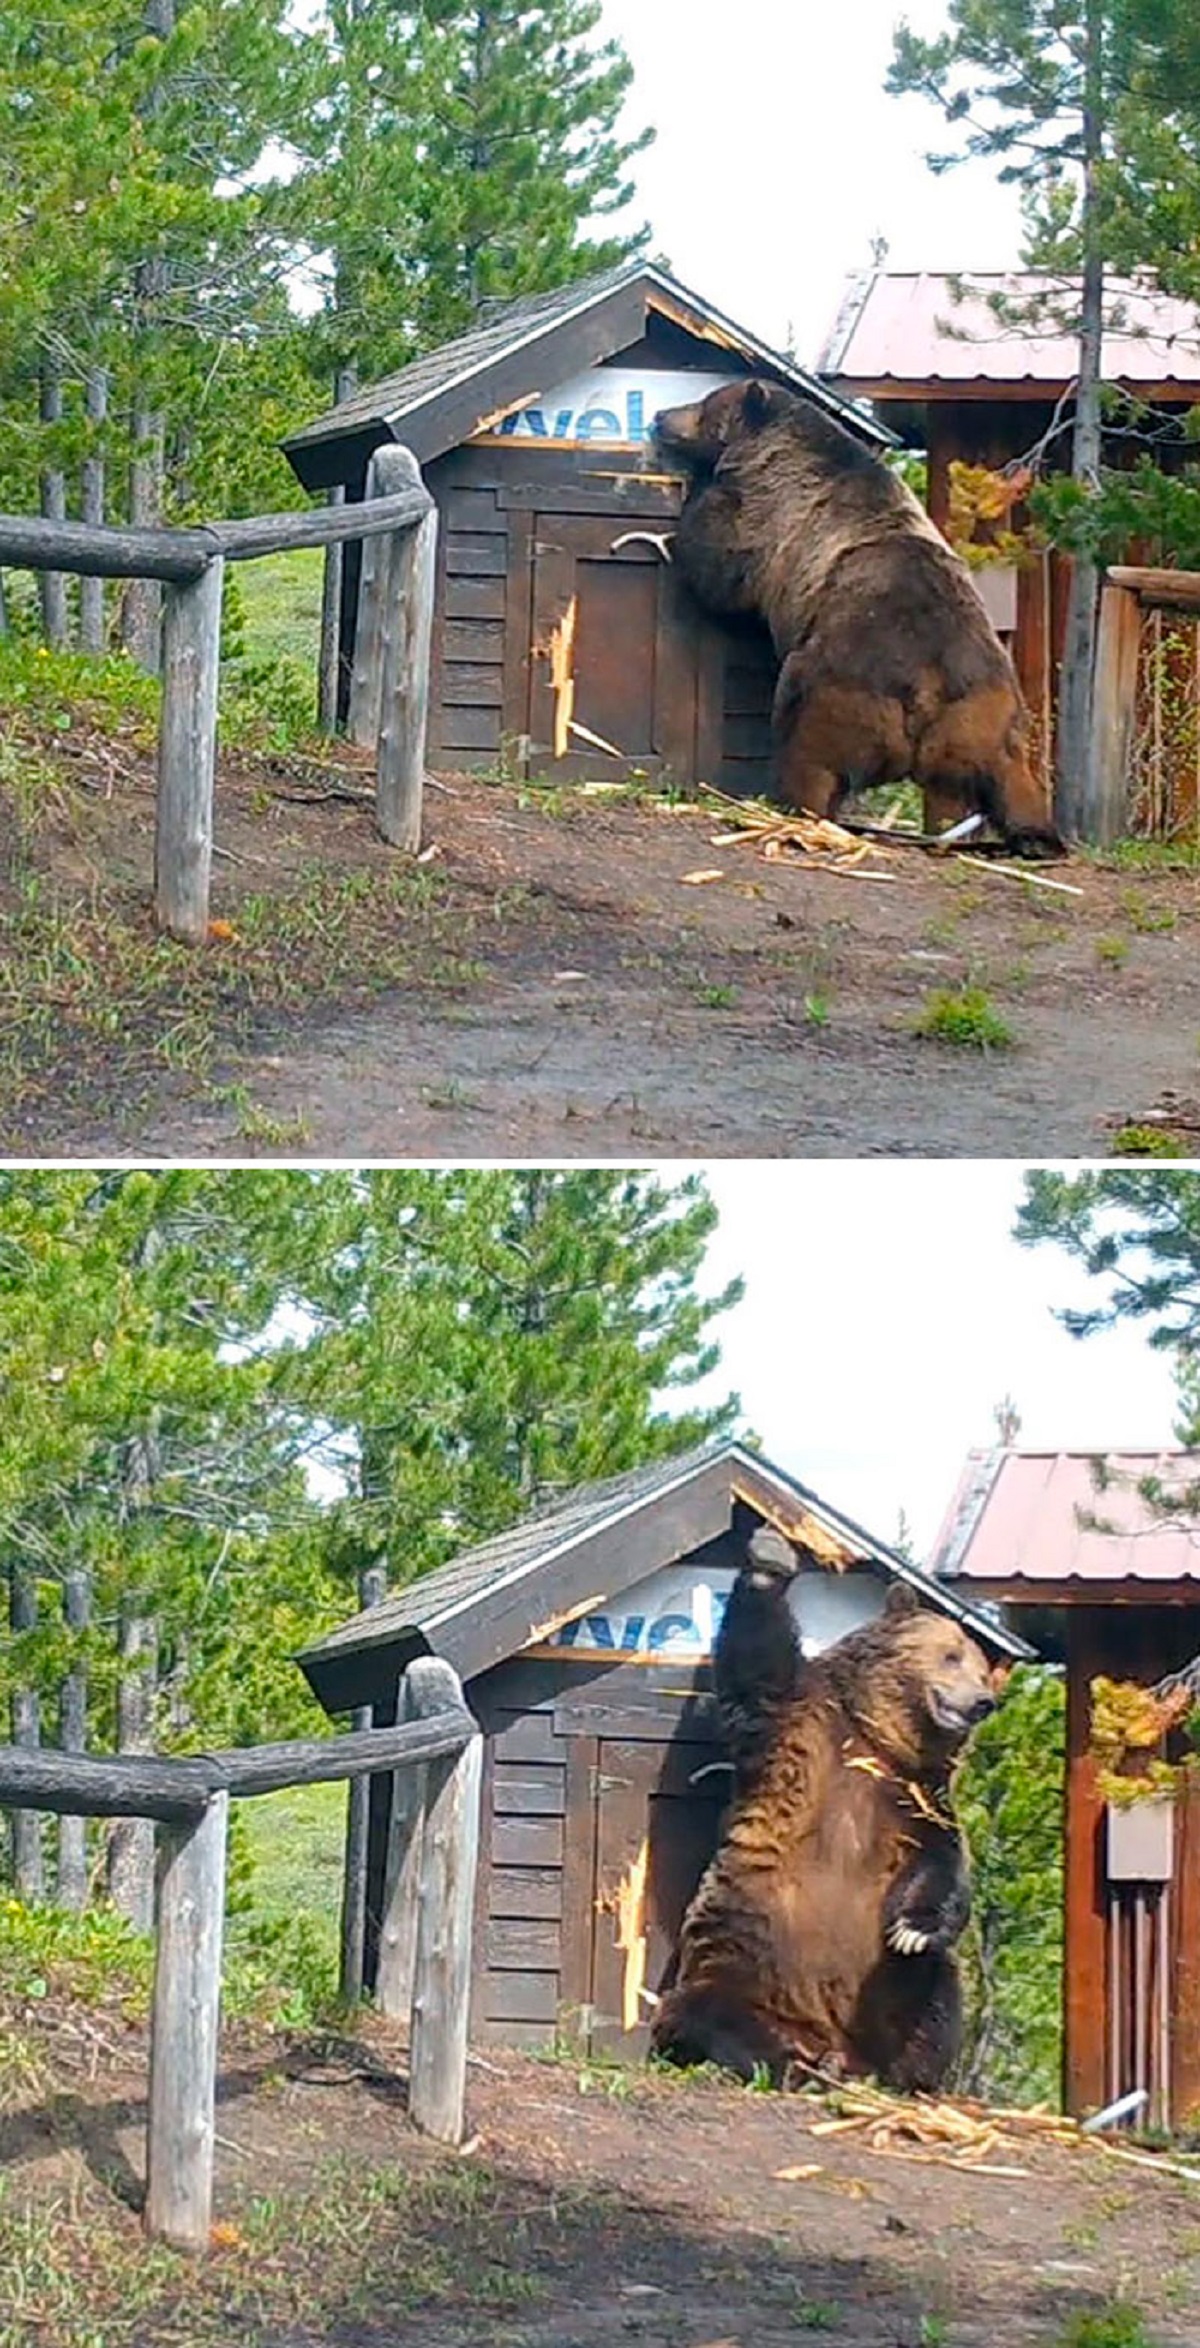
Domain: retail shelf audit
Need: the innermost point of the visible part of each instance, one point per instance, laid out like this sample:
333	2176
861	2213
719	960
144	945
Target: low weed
1147	1141
1148	919
963	1015
1119	2325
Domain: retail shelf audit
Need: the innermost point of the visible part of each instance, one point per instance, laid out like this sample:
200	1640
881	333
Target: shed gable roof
510	1592
440	400
1033	1519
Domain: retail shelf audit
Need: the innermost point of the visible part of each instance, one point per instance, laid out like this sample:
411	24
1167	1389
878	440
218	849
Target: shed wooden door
655	1834
646	665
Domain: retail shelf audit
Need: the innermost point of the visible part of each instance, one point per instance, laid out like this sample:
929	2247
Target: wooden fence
1128	595
436	1747
392	650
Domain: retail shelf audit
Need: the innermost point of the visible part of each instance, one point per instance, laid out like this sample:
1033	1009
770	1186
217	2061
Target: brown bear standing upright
821	1934
891	668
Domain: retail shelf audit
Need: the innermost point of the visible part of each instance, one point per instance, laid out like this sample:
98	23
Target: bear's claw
907	1939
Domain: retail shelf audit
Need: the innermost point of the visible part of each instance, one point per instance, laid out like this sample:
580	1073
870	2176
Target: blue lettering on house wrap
589	424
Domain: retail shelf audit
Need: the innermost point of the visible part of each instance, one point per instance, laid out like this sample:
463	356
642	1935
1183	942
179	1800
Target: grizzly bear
820	1937
891	668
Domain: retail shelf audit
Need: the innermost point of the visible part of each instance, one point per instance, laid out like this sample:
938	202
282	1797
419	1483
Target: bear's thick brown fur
822	1932
890	667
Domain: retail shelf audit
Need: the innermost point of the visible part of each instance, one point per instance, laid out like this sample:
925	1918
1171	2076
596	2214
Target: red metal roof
908	328
1045	1516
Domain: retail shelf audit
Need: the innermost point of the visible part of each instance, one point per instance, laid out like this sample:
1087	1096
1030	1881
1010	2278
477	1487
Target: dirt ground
561	990
587	2208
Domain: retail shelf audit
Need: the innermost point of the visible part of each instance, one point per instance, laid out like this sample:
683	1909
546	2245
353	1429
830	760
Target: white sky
779	157
888	1311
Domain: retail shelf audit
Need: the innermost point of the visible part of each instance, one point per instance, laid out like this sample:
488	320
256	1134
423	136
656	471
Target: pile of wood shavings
959	2135
792	836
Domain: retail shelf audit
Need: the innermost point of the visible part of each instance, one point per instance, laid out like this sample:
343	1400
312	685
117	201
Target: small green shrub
1116	2326
1147	1141
963	1015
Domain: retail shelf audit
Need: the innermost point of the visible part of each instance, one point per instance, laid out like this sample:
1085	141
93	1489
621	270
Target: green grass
964	1015
280	599
1150	920
1146	856
294	1842
322	2258
93	1004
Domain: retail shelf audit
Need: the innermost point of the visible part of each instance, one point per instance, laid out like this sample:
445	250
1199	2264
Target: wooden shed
584	1639
564	643
1087	1568
952	378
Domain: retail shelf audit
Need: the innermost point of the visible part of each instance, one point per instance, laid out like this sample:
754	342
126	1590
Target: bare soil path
589	2208
551	984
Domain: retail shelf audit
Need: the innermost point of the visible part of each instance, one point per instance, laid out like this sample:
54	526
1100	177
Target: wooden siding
708	685
578	1753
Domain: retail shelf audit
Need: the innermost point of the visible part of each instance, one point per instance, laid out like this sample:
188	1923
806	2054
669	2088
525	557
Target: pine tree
183	1349
484	1341
469	153
142	248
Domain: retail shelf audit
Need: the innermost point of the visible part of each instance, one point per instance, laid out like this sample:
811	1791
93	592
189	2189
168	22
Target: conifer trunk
1076	817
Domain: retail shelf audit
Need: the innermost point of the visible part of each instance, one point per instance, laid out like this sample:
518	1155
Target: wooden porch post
1185	1935
1085	1929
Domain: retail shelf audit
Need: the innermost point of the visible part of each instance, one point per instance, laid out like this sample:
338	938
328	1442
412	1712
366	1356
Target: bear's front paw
907	1940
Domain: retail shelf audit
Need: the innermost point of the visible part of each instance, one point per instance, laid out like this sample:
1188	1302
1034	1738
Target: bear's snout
958	1709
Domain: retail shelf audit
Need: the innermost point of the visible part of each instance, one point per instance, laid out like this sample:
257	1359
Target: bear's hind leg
925	2059
700	2026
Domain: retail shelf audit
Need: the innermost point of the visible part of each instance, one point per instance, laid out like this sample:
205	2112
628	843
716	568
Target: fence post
329	657
187	754
406	635
362	721
1114	700
72	1734
442	1970
183	2040
28	1863
91	591
131	1840
372	1587
401	1881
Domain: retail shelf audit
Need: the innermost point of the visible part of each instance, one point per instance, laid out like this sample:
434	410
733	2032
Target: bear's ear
756	405
902	1599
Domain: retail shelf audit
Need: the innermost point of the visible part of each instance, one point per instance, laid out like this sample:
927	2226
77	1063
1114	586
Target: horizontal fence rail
436	1746
190	562
98	550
